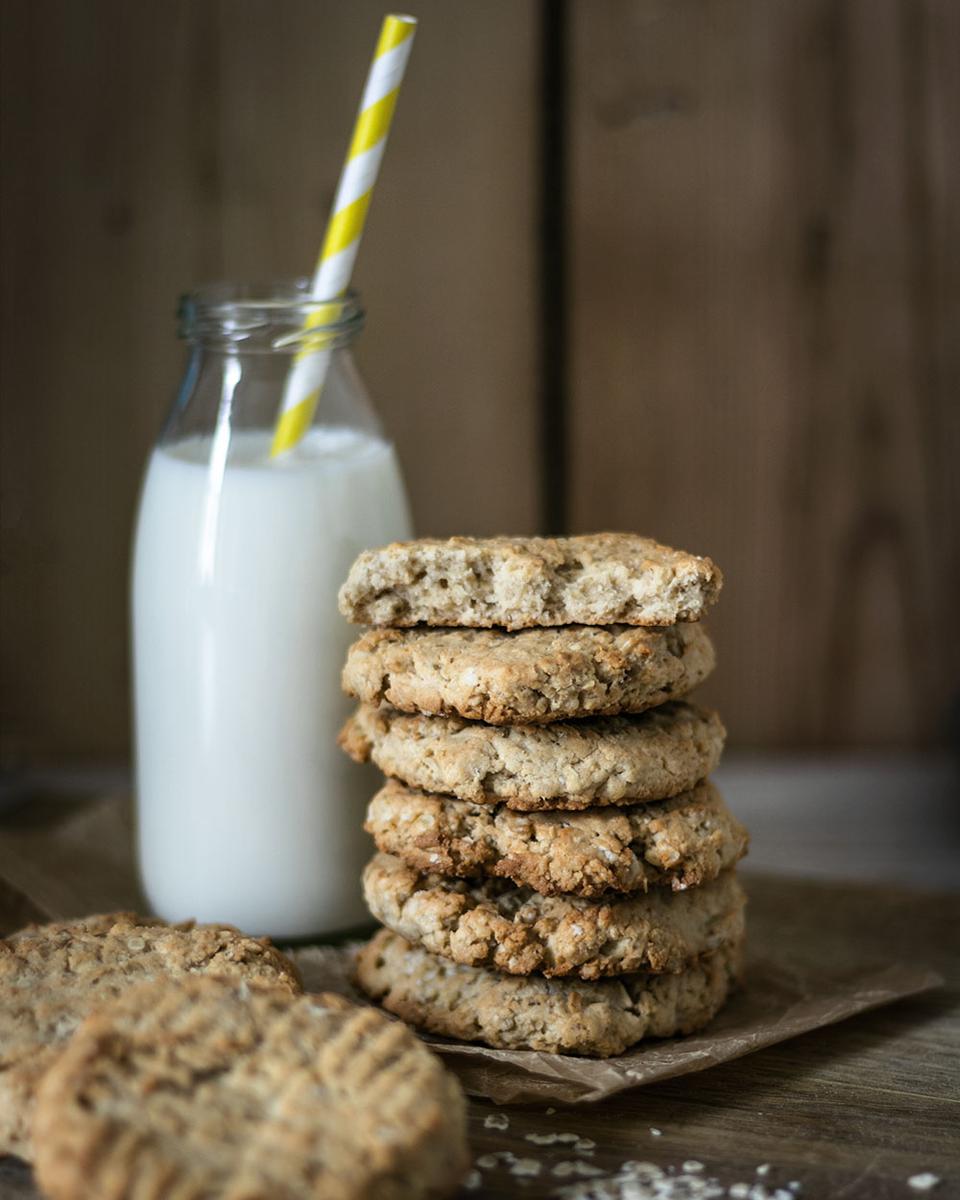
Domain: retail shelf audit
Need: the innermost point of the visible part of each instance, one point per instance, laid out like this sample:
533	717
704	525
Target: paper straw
345	227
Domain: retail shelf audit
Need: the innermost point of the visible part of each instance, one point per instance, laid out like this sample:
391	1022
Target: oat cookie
678	843
564	765
516	583
208	1088
52	976
494	923
559	1016
535	676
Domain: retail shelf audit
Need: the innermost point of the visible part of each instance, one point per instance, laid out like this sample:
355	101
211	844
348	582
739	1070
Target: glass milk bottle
247	812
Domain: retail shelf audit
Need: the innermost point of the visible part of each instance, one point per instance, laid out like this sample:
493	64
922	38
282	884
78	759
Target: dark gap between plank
552	281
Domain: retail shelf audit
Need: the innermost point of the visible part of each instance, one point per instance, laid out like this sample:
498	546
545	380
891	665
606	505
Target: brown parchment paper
777	1001
818	953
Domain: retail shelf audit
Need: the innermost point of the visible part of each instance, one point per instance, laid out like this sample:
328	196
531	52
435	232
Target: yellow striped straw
345	227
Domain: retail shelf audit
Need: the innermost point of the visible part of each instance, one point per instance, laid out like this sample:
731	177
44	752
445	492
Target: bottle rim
272	315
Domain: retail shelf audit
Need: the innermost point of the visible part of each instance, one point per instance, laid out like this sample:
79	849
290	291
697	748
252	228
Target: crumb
526	1166
551	1139
489	1161
496	1121
576	1168
763	1169
924	1182
473	1181
656	1132
551	1111
585	1145
645	1181
691	1165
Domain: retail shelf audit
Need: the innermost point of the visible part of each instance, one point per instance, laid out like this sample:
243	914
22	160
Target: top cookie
517	583
199	1088
52	976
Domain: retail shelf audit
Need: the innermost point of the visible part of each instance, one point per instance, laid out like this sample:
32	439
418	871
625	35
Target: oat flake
526	1166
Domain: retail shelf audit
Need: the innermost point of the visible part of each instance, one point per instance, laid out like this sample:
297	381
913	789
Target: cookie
206	1088
564	765
678	843
495	923
535	676
558	1016
52	976
517	583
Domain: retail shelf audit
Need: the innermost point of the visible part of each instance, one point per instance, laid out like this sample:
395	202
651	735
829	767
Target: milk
247	810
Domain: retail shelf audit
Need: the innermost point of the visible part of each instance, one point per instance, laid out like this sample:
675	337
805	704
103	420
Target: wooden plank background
758	224
763	277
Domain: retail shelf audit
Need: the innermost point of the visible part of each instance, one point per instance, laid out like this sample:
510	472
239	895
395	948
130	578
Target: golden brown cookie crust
565	765
494	923
53	976
518	583
678	843
205	1088
558	1016
535	676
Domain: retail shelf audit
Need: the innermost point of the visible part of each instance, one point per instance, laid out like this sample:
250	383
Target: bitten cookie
494	923
566	765
678	843
535	676
559	1016
517	583
203	1088
53	976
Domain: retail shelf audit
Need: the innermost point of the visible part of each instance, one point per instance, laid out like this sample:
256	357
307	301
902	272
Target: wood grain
151	147
109	209
763	260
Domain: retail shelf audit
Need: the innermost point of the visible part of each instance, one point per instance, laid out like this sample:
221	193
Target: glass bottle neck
250	349
277	317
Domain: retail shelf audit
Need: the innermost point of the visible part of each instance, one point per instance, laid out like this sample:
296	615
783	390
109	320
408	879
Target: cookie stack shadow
555	871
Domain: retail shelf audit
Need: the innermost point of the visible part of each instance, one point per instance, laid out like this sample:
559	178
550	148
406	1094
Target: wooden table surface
865	854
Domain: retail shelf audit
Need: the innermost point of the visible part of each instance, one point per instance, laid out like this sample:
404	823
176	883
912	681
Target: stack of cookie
555	871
